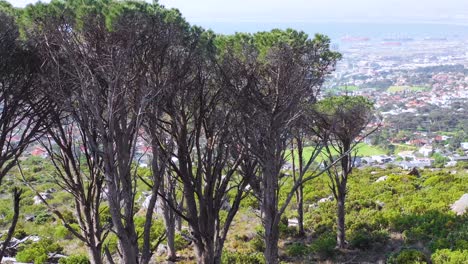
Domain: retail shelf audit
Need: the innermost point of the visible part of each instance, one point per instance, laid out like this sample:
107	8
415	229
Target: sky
442	11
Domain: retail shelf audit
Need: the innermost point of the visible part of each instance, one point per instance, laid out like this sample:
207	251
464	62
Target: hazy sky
290	11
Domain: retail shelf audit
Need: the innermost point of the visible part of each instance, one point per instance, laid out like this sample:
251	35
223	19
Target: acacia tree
342	121
23	110
274	75
95	58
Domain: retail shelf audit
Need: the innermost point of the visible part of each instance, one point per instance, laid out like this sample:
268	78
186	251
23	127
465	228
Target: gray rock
460	206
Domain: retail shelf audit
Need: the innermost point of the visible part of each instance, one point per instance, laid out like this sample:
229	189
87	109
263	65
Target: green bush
324	245
408	256
257	243
74	259
297	250
37	252
446	256
242	258
180	242
43	218
35	255
20	233
364	239
62	232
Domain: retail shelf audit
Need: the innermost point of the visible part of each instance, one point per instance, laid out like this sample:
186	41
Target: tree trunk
17	193
129	250
270	214
94	255
169	222
340	223
271	244
300	211
205	252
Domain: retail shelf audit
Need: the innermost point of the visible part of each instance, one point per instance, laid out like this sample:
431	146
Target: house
39	152
381	159
407	155
425	150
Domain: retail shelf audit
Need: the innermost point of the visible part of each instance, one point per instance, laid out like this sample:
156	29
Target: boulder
293	222
460	206
381	179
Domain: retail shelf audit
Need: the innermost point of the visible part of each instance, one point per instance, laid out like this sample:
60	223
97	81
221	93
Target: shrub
43	218
257	243
62	232
35	255
74	259
408	256
242	258
180	242
20	233
324	245
364	239
445	256
297	250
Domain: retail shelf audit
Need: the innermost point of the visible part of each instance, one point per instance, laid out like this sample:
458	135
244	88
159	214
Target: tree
78	172
342	120
273	76
95	62
198	123
23	111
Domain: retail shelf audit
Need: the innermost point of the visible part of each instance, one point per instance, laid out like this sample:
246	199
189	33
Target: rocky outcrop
460	206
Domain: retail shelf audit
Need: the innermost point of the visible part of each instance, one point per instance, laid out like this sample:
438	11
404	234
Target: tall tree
78	171
343	122
274	75
22	108
95	57
199	122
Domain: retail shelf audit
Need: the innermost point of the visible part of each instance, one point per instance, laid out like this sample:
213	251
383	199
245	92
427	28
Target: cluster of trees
89	79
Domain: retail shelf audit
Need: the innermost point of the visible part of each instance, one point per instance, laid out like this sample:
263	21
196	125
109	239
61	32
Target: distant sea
337	30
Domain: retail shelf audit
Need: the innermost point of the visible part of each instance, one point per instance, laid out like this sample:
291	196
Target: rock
414	172
460	206
379	204
381	179
162	249
293	222
326	199
373	173
43	195
157	208
55	257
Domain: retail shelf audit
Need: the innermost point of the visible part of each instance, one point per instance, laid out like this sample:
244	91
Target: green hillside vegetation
363	150
396	220
397	89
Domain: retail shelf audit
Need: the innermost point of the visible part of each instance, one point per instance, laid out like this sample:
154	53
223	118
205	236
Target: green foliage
43	218
20	233
157	230
179	242
297	249
258	243
75	259
37	252
242	258
446	256
365	239
324	245
408	256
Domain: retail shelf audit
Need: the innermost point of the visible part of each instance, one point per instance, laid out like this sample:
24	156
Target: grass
363	150
397	89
